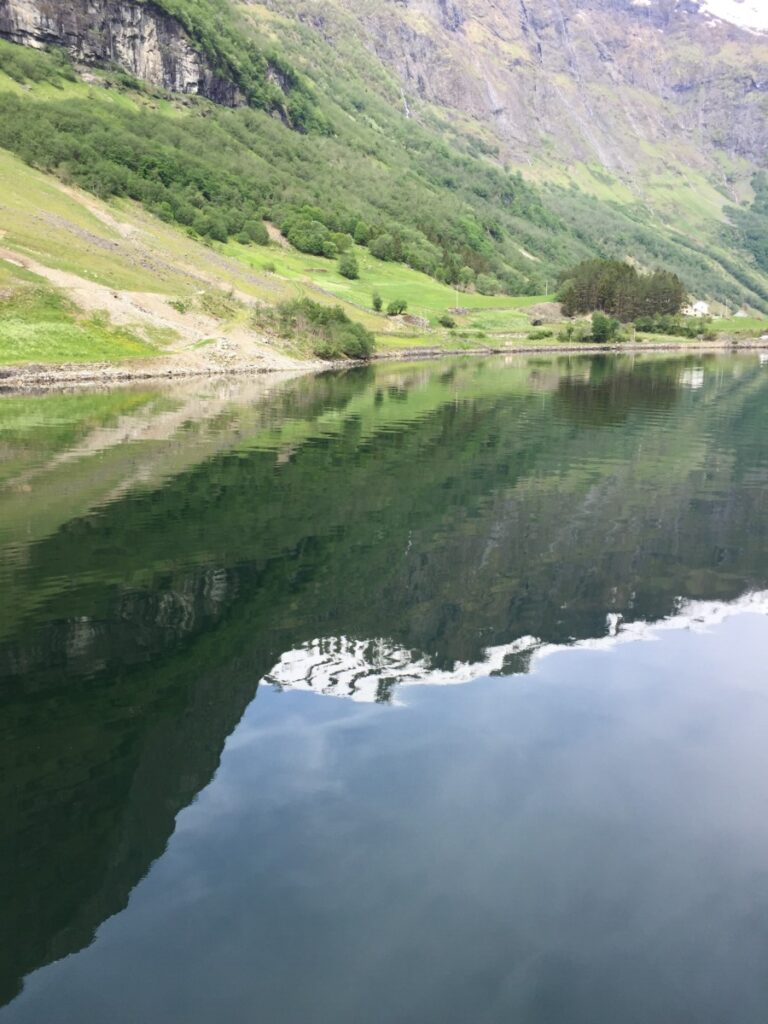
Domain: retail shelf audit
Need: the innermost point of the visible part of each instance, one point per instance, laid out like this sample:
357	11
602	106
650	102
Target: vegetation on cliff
363	170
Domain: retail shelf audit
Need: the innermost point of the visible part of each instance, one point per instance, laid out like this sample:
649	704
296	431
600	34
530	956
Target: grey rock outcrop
614	83
140	38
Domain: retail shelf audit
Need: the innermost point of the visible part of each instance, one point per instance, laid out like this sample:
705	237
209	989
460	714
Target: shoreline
36	377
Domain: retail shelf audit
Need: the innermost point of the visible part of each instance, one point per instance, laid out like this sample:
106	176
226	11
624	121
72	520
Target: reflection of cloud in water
372	670
692	378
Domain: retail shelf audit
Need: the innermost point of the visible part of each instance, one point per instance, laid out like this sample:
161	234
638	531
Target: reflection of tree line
119	697
608	397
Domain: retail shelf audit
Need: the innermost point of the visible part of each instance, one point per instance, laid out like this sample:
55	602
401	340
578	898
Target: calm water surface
414	694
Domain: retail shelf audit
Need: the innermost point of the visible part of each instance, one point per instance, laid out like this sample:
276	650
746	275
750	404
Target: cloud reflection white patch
378	670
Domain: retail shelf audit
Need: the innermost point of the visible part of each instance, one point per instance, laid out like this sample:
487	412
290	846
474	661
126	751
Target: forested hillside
335	135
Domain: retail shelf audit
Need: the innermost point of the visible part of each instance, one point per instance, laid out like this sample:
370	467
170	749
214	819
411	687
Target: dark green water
431	693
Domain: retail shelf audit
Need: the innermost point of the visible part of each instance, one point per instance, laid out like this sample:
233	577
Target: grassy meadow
70	235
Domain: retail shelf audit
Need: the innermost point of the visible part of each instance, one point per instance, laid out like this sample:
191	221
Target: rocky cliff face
138	37
590	80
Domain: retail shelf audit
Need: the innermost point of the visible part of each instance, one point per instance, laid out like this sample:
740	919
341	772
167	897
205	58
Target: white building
696	309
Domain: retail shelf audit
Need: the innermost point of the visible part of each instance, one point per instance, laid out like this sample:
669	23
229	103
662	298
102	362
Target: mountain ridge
489	146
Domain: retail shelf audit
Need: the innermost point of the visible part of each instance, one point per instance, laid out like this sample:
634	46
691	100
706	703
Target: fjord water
240	779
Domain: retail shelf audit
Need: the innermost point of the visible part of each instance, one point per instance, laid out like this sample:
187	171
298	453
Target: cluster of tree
23	65
616	288
602	330
751	222
395	308
677	326
407	195
613	231
264	76
322	232
442	208
331	332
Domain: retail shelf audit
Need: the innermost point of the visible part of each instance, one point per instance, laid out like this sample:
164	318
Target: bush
348	266
308	236
466	277
487	284
446	320
540	335
383	248
377	302
604	329
396	307
677	326
342	240
256	232
574	333
220	304
330	330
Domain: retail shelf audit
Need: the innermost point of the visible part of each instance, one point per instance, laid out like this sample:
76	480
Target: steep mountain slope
463	138
654	107
595	81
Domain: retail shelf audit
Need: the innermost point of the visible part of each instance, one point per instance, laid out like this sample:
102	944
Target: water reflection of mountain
450	512
376	671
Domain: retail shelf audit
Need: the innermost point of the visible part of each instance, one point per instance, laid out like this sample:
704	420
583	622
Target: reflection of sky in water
587	843
376	670
577	836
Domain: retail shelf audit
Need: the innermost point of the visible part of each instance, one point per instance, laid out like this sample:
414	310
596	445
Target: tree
308	236
217	229
466	277
255	231
348	266
328	328
604	328
342	240
616	288
487	284
383	247
396	307
446	320
362	232
377	302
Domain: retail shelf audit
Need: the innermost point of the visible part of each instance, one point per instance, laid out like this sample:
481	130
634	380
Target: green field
39	325
119	245
425	296
746	326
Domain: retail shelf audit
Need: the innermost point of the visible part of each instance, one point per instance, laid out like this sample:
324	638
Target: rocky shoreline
37	377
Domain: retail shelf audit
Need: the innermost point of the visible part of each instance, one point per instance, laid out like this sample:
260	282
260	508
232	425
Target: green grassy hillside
409	189
85	280
135	222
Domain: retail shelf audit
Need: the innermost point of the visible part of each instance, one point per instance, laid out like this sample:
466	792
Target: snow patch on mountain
751	14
